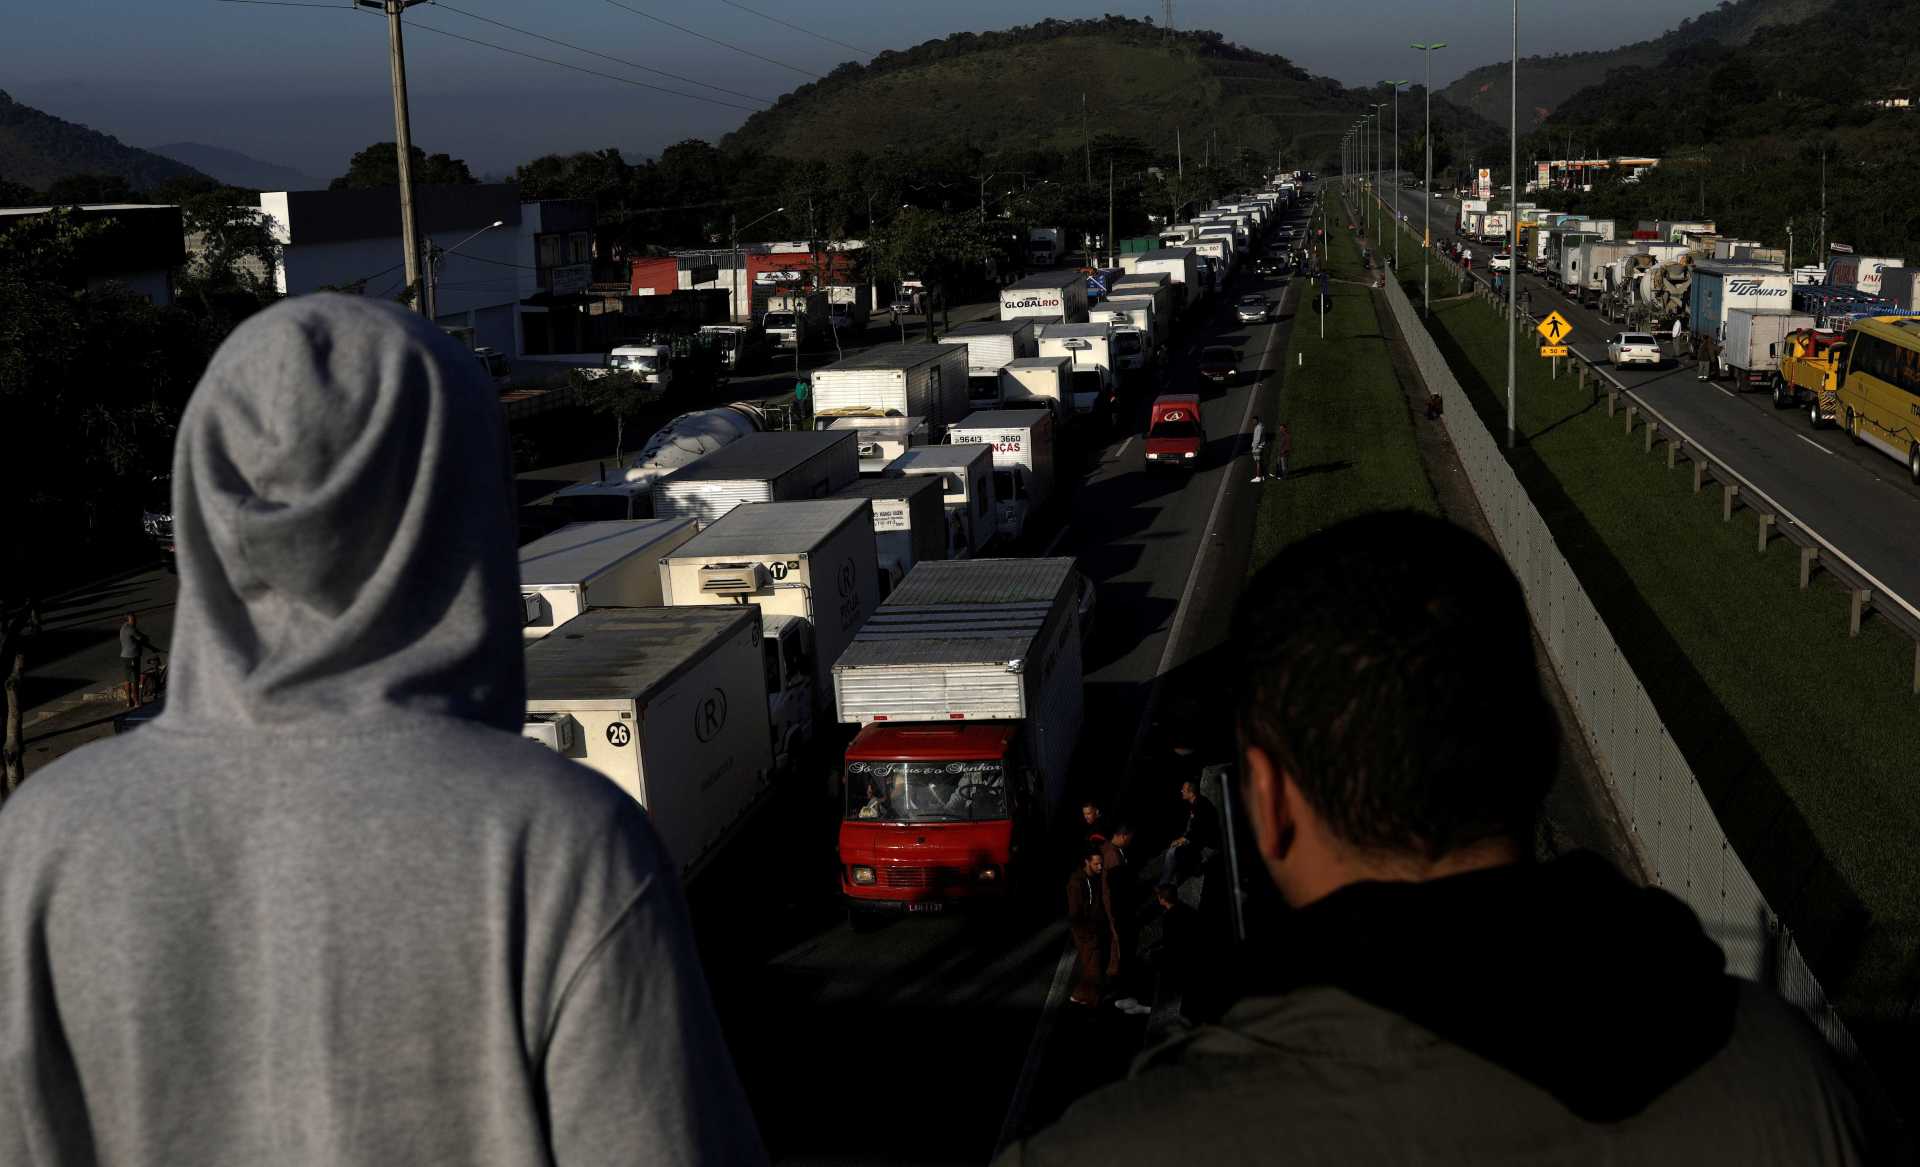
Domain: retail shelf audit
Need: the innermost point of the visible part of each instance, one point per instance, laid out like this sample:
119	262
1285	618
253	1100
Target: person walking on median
330	907
1442	997
1282	450
1257	446
133	642
1090	923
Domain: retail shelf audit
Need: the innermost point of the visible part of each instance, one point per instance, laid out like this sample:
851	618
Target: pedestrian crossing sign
1554	328
1553	350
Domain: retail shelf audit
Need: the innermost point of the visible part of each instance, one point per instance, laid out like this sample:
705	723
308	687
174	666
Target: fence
1679	838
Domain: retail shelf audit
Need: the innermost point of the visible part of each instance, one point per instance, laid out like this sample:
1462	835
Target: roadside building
138	246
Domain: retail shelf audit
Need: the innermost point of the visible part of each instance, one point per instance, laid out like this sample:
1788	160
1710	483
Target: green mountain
1051	86
37	149
1547	82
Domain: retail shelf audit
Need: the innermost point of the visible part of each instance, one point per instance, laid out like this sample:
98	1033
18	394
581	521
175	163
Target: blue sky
305	87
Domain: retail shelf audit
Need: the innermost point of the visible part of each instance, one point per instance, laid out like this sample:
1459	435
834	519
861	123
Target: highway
927	1038
1855	497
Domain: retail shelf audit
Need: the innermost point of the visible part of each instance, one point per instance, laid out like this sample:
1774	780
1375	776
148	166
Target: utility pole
1426	242
1086	137
1513	224
1113	244
403	145
1823	206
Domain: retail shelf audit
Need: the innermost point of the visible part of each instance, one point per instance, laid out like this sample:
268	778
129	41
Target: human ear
1268	811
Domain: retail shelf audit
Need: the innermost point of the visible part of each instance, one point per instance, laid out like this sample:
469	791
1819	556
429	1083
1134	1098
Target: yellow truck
1808	373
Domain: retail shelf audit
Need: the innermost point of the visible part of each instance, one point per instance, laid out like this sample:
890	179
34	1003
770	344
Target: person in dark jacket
1090	921
1202	831
1436	996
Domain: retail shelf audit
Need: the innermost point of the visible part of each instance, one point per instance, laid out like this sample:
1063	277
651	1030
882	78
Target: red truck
966	683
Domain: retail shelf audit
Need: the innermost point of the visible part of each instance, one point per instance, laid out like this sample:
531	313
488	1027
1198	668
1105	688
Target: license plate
929	906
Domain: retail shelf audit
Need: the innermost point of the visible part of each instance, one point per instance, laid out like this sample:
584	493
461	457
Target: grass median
1353	443
1800	735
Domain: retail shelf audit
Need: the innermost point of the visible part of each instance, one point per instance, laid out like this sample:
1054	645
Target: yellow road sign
1555	328
1553	350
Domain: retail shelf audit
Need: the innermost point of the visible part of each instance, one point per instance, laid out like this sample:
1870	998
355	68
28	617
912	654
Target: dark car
1272	265
1220	364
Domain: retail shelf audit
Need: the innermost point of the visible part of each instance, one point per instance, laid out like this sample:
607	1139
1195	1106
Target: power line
290	4
797	28
584	69
596	53
711	40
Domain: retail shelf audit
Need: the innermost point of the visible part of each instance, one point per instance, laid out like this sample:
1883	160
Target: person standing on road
330	907
1282	450
1116	870
1679	327
133	642
1442	997
1090	922
1258	447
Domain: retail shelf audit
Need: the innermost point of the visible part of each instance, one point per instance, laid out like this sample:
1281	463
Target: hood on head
1600	992
344	526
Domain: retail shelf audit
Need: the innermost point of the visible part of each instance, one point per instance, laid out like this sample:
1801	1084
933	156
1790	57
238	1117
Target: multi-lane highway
927	1038
1854	497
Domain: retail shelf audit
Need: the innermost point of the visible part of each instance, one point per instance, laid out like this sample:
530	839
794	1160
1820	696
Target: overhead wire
598	53
714	40
583	69
796	28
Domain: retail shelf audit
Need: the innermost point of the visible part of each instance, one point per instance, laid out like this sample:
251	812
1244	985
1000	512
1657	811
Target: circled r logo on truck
846	577
709	715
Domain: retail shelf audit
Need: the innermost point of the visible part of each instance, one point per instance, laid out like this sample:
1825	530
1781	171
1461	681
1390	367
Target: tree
379	165
618	394
939	247
91	188
13	194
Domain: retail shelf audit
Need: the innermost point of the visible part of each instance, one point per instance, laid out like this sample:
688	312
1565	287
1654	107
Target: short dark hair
1091	851
1388	667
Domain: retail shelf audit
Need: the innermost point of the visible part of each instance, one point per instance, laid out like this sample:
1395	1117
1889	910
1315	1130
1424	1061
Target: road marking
1057	994
1728	392
1122	451
1816	445
1054	543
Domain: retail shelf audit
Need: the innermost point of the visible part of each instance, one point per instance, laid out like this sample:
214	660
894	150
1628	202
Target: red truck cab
1175	435
934	813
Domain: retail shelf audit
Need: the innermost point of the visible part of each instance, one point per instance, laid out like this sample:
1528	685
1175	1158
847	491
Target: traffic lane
78	649
968	988
1857	500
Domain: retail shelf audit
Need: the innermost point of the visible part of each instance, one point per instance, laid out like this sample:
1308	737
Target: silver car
1253	309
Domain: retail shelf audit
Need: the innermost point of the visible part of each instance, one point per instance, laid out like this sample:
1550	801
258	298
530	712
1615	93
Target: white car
1500	263
1634	348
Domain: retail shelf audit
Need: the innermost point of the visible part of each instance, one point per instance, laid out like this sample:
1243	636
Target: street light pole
435	255
1395	212
1426	190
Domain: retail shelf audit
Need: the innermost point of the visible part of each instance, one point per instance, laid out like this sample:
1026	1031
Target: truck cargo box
909	521
1057	293
594	565
772	467
895	380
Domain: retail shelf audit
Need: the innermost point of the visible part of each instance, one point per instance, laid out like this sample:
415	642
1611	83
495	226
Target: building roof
775	528
620	653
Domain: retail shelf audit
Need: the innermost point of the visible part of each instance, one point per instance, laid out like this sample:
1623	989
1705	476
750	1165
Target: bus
1880	395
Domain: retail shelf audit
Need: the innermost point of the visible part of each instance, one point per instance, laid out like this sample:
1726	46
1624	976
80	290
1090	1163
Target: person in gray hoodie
330	907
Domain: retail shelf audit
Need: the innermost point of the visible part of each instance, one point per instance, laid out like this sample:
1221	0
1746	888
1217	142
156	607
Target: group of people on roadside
331	908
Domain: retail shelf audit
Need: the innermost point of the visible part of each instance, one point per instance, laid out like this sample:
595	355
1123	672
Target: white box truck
1595	255
1752	348
1031	379
1158	302
882	439
594	565
794	318
1718	288
966	477
671	705
990	344
1132	321
811	569
1046	295
1089	349
1023	461
1181	267
895	380
775	467
909	522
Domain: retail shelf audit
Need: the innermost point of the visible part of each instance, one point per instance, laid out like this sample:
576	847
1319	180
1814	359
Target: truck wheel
1781	398
1913	463
1853	427
1814	420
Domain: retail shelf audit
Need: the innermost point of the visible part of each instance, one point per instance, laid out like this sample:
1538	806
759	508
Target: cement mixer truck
681	441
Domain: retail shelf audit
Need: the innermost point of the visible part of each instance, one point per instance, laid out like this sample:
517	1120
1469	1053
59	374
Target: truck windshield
1088	381
1126	343
926	792
1174	429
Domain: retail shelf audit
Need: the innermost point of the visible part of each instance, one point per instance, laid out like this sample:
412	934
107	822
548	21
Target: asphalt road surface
1856	498
927	1039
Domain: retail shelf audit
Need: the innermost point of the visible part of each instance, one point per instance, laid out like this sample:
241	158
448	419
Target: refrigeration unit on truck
811	569
1023	461
670	704
794	318
1720	287
895	380
967	687
1089	348
582	566
966	478
1039	379
882	439
776	467
909	522
1750	352
990	344
1181	267
1060	295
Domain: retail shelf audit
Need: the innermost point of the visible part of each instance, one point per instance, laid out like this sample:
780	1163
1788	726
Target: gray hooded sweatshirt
329	908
